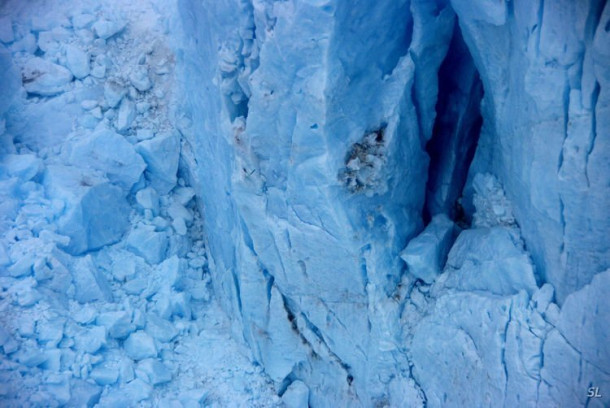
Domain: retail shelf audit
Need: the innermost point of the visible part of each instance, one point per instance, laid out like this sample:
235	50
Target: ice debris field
305	203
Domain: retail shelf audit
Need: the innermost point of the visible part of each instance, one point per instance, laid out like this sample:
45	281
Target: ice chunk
162	154
77	61
160	329
84	314
50	331
297	395
90	339
84	394
96	213
31	357
27	43
140	345
148	243
118	324
425	255
104	375
42	77
139	78
109	152
148	199
137	390
490	259
114	91
127	113
105	29
89	283
492	207
153	371
23	166
183	195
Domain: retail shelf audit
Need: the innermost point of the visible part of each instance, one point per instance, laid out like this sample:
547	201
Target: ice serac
546	126
313	178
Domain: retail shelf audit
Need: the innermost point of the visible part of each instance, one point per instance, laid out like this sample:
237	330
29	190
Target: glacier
305	203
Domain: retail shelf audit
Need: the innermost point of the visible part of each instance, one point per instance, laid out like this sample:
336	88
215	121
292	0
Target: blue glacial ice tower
334	143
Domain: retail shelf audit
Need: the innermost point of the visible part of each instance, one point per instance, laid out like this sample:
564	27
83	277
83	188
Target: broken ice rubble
103	282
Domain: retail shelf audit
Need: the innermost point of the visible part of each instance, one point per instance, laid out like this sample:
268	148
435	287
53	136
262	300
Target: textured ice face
313	179
398	203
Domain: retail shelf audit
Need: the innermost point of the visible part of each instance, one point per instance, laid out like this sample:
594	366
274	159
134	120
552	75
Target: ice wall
544	66
316	171
312	123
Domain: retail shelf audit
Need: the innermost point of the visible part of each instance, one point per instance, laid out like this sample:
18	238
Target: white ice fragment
126	372
105	29
183	195
47	43
98	71
23	166
135	286
297	395
426	253
77	61
148	199
84	314
50	331
137	390
170	273
96	212
160	329
109	152
27	44
31	357
127	113
140	345
90	339
153	372
22	267
177	210
162	155
490	259
41	77
492	207
97	113
118	324
148	243
139	78
179	226
114	91
104	375
89	283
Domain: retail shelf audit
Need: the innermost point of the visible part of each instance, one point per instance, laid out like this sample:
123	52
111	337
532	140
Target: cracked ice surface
304	203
